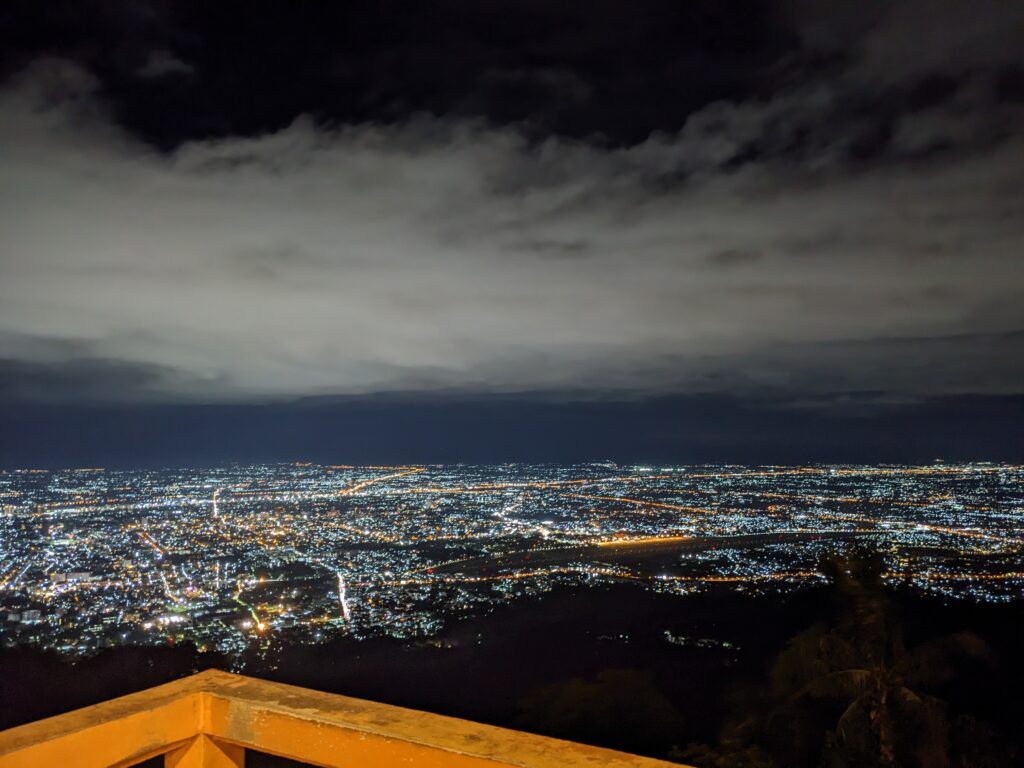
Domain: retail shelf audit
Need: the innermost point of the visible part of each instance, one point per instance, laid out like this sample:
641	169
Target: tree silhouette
849	693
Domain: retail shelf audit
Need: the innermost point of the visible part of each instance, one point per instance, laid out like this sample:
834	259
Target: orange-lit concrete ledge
210	719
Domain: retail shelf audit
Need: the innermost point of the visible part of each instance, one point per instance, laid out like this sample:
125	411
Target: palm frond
936	661
845	684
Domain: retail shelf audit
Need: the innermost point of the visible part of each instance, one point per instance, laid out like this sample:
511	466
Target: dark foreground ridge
642	672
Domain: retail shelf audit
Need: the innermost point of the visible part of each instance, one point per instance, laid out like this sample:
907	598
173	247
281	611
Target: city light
302	553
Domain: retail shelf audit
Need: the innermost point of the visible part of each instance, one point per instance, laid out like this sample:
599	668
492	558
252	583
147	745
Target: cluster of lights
246	556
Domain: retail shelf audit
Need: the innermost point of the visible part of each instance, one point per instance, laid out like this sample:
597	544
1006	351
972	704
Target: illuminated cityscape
459	384
242	557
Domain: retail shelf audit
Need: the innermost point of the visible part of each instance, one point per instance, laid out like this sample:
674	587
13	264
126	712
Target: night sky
479	230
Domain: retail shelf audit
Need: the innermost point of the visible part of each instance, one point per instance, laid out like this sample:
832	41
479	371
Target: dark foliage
850	692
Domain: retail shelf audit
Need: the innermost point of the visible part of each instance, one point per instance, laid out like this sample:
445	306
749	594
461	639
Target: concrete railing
210	719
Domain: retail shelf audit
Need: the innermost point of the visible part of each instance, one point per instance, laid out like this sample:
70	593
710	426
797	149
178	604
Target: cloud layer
788	245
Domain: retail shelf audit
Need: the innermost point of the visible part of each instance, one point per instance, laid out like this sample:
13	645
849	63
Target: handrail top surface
253	696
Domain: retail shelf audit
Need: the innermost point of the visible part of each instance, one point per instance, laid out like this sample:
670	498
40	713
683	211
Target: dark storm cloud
160	63
770	201
734	257
574	68
86	380
553	249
